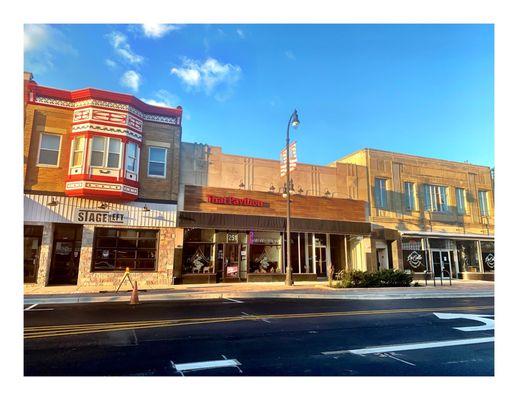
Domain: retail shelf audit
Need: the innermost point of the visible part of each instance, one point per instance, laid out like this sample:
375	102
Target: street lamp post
294	121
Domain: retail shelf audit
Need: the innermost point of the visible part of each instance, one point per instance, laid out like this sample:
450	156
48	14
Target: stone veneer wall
163	276
45	254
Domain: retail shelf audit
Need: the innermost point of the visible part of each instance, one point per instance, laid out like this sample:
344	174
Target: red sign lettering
235	201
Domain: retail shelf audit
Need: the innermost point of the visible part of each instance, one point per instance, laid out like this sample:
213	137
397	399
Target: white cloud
163	98
210	76
131	79
240	33
156	31
41	44
121	46
290	54
111	63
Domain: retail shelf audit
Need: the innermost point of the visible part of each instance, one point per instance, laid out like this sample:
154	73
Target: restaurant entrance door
66	251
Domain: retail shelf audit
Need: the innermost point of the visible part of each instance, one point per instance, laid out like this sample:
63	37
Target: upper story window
49	149
460	197
483	202
435	198
131	157
380	192
78	145
105	152
157	162
409	196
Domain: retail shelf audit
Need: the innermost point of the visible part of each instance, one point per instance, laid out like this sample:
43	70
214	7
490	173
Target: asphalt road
262	337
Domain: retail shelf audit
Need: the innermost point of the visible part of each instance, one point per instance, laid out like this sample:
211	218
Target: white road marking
397	359
30	307
40	309
203	365
234	300
411	346
489	323
246	314
265	320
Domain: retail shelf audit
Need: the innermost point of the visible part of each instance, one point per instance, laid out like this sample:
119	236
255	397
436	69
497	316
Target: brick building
101	173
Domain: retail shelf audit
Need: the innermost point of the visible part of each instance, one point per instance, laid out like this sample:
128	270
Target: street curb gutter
240	295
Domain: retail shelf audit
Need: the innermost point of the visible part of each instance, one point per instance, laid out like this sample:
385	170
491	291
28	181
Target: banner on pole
293	158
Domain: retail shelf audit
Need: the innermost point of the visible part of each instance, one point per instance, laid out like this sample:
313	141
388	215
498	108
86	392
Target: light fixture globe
295	119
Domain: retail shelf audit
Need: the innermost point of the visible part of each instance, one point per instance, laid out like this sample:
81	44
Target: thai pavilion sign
100	217
236	201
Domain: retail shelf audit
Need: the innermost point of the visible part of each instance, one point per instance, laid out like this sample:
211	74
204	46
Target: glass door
320	261
231	261
441	263
65	255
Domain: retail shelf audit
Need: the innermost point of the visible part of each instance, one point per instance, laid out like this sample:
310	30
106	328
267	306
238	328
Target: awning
188	219
447	235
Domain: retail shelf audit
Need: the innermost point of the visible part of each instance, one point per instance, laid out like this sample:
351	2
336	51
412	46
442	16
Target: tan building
101	179
443	210
241	197
426	214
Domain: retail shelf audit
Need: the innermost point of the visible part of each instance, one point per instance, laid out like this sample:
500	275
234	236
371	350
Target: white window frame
105	152
59	150
383	203
136	157
462	198
149	162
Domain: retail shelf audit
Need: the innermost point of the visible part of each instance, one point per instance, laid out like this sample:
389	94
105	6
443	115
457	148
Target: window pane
48	157
50	142
79	143
131	149
157	169
98	144
113	160
157	154
115	146
97	159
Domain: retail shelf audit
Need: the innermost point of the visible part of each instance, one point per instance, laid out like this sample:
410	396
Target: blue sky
417	89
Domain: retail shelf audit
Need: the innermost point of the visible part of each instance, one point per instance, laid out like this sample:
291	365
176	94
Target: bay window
157	162
131	157
49	149
78	146
105	152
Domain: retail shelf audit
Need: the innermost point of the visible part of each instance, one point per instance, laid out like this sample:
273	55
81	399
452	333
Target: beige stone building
425	214
442	210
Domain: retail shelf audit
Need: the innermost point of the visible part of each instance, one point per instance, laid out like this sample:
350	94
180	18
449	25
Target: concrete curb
244	295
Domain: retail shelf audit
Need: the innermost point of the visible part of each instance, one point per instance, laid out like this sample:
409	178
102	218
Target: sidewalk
301	290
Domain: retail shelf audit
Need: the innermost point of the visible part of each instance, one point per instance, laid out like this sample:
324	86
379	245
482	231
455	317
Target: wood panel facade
203	199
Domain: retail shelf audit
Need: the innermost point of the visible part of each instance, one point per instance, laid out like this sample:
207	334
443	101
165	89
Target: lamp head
295	119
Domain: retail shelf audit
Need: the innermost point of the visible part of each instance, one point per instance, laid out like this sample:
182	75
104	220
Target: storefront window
488	256
414	256
467	255
31	251
265	252
118	249
198	251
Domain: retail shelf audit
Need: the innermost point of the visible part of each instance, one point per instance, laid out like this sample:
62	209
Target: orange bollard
134	295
